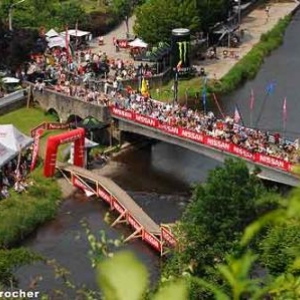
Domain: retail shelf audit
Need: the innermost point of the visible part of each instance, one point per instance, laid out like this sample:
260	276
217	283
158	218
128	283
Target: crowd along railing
204	139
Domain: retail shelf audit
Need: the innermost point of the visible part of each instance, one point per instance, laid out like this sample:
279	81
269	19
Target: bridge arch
74	119
53	112
55	141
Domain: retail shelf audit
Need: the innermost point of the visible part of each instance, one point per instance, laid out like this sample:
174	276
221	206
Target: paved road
254	25
120	33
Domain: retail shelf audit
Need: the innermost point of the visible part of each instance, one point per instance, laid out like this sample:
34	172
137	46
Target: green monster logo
183	49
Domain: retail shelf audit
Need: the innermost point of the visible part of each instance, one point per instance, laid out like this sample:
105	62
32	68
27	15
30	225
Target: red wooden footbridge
157	236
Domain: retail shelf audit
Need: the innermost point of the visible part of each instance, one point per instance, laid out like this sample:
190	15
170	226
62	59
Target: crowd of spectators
13	175
227	130
76	76
74	79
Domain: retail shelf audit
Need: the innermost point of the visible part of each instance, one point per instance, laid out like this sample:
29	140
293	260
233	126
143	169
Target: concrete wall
12	102
66	106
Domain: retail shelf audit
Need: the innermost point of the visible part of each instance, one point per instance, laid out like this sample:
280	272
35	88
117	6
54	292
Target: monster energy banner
180	50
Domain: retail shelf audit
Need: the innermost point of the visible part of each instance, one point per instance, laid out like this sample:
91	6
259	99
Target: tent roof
51	33
90	123
74	32
10	80
13	139
138	43
6	154
57	41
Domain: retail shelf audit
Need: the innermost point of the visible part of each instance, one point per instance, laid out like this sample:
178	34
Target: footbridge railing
157	236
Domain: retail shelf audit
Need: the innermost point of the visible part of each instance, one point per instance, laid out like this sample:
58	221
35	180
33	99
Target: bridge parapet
65	106
273	168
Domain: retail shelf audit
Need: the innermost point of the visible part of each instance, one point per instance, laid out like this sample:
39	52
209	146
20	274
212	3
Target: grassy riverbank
20	214
245	69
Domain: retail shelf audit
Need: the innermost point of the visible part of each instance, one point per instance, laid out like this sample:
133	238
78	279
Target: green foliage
10	260
280	247
40	204
125	278
156	18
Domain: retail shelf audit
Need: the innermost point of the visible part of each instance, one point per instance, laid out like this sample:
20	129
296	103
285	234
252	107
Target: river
159	176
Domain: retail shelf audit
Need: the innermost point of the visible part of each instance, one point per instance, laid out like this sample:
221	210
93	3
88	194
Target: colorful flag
270	88
237	115
284	110
251	99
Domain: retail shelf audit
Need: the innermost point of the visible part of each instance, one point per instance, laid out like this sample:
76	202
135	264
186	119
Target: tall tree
218	213
124	8
156	18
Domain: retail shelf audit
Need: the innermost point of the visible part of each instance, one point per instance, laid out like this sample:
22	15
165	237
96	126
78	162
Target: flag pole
218	105
242	120
284	114
270	89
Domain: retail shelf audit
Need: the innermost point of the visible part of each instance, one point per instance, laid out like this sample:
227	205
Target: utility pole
10	12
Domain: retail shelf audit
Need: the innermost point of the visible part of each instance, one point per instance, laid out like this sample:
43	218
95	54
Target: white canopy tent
10	80
6	154
138	43
51	33
13	139
57	41
78	33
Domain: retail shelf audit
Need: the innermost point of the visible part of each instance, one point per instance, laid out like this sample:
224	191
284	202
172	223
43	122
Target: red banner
271	161
35	129
152	240
104	195
122	43
203	139
168	128
57	126
192	135
117	206
78	183
145	120
221	145
133	222
243	152
122	113
36	146
168	237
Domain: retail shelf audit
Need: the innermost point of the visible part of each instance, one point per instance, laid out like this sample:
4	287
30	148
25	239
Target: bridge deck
127	202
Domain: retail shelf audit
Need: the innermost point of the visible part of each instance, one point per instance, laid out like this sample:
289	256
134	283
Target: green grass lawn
190	87
27	118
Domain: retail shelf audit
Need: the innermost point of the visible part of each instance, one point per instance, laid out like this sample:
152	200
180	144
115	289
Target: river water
159	176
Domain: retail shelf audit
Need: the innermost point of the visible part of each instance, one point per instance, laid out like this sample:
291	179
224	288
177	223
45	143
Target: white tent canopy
51	33
57	41
138	43
10	80
77	33
6	154
13	139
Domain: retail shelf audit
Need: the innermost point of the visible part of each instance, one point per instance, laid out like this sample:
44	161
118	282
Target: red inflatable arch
53	143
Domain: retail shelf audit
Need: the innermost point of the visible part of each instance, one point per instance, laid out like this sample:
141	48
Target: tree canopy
156	18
